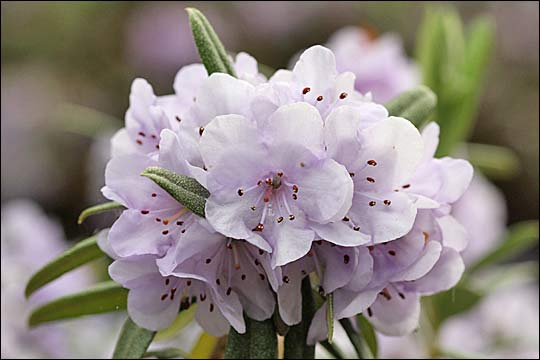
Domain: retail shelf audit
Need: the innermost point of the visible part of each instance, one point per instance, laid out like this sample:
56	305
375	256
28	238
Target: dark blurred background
67	68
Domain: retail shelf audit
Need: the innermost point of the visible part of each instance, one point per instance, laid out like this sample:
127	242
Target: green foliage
104	297
368	334
133	341
98	209
415	105
520	237
80	254
258	342
210	48
295	341
453	64
187	191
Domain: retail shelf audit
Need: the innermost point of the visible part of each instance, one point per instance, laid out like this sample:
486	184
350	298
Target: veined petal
188	80
458	176
340	233
222	94
298	123
227	133
325	191
316	68
453	233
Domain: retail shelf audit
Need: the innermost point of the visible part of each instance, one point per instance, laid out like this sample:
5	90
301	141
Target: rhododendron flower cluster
305	176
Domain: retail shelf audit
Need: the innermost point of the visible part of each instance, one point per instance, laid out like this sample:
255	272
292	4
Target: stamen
144	212
386	294
406	186
262	277
240	192
320	98
392	253
306	90
372	203
164	296
387	202
286	279
280	219
208	261
235	257
178	118
138	142
346	259
142	134
343	95
201	130
370	179
372	162
370	313
175	216
154	195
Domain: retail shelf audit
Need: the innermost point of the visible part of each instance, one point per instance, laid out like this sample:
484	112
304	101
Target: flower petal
221	94
443	276
453	233
396	316
316	68
325	191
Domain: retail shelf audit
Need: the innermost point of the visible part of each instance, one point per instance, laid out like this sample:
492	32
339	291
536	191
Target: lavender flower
380	65
270	183
424	261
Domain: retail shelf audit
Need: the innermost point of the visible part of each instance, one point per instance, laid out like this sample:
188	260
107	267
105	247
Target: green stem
332	349
353	336
295	341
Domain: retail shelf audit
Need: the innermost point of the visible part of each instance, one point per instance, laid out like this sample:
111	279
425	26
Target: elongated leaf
179	187
295	341
496	162
262	339
205	347
98	209
521	236
330	317
332	349
181	321
237	344
452	302
354	337
82	253
415	105
186	182
368	334
104	297
210	48
133	341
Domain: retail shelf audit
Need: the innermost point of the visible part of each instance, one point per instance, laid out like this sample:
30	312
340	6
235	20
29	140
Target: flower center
273	191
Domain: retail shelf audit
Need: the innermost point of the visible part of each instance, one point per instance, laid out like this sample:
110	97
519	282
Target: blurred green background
67	68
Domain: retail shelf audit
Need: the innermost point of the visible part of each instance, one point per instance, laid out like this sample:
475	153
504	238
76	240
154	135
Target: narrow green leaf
368	334
104	297
296	339
98	209
330	317
237	344
179	187
182	320
332	349
415	105
262	339
451	302
168	353
520	237
354	337
430	48
133	341
496	162
210	48
80	254
186	182
217	43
